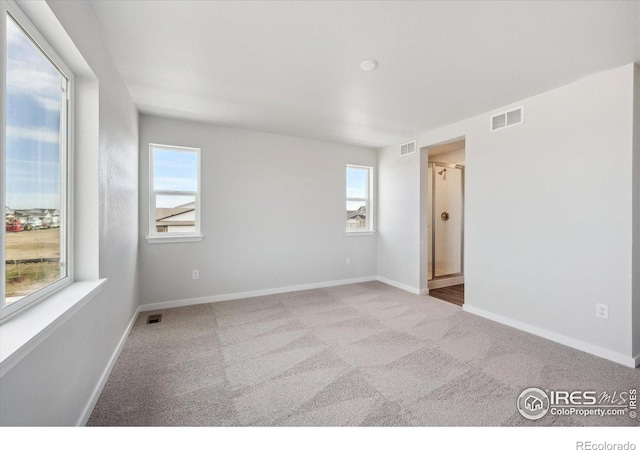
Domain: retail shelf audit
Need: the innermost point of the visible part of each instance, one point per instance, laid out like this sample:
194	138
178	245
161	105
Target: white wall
54	384
636	216
398	218
547	213
273	214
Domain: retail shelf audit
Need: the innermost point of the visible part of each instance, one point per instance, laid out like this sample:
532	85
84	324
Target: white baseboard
559	338
404	287
84	418
249	294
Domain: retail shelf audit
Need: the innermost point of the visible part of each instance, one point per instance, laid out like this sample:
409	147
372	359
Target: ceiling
292	67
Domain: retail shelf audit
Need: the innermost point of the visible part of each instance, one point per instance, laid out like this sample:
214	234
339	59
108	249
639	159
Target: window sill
359	233
173	239
21	334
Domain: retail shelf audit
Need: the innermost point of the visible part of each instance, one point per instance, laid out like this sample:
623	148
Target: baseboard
404	287
84	418
559	338
249	294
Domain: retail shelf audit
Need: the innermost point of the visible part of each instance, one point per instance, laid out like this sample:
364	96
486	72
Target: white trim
11	9
404	287
173	239
91	404
152	232
249	294
3	84
628	361
369	200
23	333
359	233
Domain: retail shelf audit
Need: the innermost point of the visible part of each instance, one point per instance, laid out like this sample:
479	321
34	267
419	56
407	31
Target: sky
174	170
33	105
357	180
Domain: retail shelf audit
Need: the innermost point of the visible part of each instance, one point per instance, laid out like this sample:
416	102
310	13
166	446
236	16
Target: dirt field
33	244
23	279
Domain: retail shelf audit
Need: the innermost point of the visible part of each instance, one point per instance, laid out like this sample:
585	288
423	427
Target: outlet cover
196	274
602	311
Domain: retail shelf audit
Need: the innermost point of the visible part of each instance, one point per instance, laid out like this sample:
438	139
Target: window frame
153	235
370	229
10	8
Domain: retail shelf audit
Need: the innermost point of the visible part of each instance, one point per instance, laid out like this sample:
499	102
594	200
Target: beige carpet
358	355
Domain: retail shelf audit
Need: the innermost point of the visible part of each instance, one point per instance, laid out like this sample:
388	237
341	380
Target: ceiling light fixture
368	65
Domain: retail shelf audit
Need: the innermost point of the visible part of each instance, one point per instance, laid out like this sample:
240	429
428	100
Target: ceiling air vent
409	147
507	119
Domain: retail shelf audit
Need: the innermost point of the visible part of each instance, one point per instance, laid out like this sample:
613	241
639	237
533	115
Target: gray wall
398	211
548	216
636	214
273	214
55	382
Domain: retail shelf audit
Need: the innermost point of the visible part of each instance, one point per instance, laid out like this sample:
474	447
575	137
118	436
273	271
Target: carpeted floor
359	355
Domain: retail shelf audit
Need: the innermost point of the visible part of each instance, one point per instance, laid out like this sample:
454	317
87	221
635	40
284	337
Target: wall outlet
195	274
348	261
602	311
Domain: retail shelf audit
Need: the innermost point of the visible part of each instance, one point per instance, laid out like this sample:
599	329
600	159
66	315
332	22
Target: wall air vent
409	147
507	119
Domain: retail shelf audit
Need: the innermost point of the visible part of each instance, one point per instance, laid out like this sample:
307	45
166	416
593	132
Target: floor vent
507	119
154	318
409	147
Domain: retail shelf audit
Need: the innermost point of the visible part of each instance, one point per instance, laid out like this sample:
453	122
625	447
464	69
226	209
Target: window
34	161
175	194
359	205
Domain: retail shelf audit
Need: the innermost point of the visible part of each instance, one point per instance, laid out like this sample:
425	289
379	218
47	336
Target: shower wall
446	207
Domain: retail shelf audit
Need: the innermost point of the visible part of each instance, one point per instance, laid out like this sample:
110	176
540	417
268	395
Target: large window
359	205
175	193
34	161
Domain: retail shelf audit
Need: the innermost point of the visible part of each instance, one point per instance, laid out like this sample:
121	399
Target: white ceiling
292	67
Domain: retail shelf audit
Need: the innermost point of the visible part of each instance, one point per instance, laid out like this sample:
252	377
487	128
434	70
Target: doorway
445	193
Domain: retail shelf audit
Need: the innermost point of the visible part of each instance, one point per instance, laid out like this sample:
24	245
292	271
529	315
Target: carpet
365	354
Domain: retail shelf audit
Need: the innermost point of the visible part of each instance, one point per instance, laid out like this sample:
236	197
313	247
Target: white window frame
368	203
154	236
66	161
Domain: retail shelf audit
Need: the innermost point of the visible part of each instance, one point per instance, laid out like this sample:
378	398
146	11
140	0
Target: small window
34	155
359	205
175	192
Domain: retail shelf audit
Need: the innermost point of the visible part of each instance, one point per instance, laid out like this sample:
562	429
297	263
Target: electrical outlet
602	311
348	261
196	274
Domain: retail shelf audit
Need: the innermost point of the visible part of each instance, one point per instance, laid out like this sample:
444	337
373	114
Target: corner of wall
635	303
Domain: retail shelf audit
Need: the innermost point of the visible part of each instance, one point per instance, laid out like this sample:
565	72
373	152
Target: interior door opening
445	186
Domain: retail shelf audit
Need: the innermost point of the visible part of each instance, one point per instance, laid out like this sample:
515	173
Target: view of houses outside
33	174
178	219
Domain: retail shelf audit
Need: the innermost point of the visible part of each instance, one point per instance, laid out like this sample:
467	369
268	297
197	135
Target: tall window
359	207
34	160
175	192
